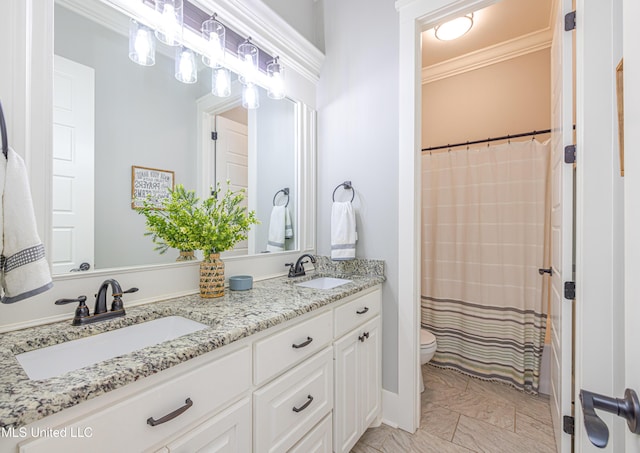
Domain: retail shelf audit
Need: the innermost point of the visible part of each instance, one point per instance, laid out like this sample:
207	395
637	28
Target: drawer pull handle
153	422
363	336
303	344
363	311
304	406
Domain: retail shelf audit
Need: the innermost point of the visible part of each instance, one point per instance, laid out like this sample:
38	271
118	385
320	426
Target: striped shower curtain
485	235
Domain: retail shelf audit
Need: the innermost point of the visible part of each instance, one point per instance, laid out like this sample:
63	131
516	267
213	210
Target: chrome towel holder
346	186
285	191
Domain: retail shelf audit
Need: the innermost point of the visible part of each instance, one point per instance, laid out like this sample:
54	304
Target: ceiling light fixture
454	28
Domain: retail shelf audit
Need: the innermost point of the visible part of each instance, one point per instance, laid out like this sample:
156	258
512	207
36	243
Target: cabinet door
346	428
227	432
369	373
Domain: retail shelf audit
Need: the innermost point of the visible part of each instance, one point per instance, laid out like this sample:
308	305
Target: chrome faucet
297	269
100	312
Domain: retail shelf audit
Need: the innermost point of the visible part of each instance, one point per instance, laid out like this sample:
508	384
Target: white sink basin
324	283
64	357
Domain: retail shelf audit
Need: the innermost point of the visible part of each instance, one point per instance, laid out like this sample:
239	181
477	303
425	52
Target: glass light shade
213	32
186	66
169	29
276	80
142	44
250	97
248	55
454	28
220	82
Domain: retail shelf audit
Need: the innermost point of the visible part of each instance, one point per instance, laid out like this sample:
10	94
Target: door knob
627	407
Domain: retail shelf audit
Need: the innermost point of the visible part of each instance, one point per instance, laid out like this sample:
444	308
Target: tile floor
462	414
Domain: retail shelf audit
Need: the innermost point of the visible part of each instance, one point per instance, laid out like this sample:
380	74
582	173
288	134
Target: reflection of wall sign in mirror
150	183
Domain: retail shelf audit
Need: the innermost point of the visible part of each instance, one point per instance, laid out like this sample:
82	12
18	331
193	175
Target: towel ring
285	191
346	185
3	131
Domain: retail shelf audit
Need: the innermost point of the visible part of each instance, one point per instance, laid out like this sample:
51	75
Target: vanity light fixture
169	29
276	79
454	28
142	44
214	33
221	82
186	67
248	56
250	96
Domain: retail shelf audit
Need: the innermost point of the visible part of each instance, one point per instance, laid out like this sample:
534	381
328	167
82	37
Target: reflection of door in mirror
231	162
72	189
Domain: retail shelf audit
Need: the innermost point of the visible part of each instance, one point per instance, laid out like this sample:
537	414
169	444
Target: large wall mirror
111	115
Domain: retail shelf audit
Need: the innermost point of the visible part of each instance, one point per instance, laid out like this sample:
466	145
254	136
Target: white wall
358	141
306	16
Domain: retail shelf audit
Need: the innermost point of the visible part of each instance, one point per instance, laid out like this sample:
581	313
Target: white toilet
428	346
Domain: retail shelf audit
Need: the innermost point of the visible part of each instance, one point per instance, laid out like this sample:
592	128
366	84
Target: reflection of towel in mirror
280	228
24	271
343	231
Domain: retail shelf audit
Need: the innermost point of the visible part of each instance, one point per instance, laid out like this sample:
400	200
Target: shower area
486	207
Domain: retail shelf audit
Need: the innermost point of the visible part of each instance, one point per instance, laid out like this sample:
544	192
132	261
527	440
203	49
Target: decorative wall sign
150	183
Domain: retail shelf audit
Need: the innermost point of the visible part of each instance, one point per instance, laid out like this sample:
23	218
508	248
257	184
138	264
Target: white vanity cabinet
358	371
310	384
194	392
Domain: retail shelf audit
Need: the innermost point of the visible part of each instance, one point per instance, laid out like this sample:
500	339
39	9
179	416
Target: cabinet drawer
227	432
122	425
356	312
287	408
280	351
318	440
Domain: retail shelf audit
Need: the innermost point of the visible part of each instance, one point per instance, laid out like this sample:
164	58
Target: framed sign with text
150	183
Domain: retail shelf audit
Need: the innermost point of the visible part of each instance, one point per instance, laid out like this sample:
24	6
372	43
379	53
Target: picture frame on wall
150	183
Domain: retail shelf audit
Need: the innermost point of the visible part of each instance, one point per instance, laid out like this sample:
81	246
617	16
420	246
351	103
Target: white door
73	149
631	46
231	163
560	316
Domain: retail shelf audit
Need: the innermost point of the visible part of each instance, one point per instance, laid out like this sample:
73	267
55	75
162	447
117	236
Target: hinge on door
214	135
570	290
570	21
569	154
568	424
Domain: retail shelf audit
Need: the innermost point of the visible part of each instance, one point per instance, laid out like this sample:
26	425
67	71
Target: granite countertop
235	316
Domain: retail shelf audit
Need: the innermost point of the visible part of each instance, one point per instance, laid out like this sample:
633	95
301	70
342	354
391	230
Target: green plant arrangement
214	225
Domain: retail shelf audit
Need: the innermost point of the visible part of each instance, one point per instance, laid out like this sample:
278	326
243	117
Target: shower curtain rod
487	140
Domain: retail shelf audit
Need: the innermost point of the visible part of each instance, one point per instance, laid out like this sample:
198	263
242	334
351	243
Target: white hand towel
24	271
343	231
277	222
288	226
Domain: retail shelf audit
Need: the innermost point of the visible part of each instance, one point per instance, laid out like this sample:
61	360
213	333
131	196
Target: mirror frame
32	77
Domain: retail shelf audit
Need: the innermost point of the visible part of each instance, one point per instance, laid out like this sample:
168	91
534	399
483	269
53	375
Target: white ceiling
505	21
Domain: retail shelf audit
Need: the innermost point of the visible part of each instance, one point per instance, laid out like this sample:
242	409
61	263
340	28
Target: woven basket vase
212	277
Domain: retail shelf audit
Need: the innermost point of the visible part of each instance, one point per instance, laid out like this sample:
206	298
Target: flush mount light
454	28
142	44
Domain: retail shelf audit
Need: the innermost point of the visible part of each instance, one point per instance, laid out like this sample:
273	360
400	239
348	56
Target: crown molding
504	51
